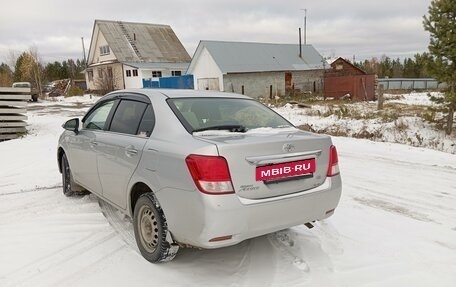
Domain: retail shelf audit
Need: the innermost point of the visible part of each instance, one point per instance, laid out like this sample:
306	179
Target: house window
90	75
104	50
128	73
135	73
339	67
110	72
100	73
156	74
176	73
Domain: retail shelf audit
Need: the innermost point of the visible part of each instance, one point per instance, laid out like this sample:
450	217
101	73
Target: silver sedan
198	168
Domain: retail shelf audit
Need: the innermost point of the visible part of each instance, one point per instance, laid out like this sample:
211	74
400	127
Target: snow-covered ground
401	121
395	225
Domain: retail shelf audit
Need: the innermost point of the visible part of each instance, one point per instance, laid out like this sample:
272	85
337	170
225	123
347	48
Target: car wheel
151	230
66	177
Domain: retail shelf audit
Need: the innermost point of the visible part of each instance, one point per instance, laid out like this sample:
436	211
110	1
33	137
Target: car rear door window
97	118
127	117
147	123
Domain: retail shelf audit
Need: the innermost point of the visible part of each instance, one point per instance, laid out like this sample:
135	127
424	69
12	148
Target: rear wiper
231	128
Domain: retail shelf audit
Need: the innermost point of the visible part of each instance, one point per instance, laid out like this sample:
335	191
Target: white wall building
256	69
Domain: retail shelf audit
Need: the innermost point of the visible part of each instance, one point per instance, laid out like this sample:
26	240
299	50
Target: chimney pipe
300	44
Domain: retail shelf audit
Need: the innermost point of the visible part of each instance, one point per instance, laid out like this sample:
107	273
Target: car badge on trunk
288	147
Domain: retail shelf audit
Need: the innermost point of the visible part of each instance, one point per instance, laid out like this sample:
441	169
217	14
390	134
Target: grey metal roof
140	42
240	57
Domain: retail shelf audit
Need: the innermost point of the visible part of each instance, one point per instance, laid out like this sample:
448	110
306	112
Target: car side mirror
72	125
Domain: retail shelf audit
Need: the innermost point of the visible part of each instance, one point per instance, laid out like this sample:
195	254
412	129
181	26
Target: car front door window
97	119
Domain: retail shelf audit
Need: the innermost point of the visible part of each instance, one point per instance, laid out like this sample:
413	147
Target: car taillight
210	173
333	168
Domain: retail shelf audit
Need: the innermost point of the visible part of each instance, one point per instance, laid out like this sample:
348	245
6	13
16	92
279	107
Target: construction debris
60	88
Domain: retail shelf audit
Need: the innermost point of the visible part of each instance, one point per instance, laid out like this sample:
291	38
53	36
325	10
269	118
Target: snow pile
362	120
419	99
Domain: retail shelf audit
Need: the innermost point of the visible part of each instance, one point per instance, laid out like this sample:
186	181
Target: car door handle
131	151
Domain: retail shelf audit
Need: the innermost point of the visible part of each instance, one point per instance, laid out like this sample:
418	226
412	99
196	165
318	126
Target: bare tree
107	82
37	68
11	58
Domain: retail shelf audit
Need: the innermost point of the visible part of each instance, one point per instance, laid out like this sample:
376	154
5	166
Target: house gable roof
140	42
342	61
242	57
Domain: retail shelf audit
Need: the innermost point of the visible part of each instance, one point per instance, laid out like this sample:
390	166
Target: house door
209	84
288	82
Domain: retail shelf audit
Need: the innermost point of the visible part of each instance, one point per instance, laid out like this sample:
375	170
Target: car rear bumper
214	216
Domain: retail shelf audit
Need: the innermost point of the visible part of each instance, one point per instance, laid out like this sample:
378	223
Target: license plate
284	170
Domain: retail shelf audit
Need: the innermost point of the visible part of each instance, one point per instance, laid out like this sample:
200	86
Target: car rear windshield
197	114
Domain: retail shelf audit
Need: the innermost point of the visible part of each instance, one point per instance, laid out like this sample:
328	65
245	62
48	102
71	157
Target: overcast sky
345	28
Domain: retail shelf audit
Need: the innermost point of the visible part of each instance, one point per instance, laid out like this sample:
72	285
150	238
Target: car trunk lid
274	163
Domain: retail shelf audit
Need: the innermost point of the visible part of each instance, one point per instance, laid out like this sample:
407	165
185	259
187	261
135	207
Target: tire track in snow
46	265
121	223
283	241
76	225
422	189
259	265
415	164
35	189
19	205
309	252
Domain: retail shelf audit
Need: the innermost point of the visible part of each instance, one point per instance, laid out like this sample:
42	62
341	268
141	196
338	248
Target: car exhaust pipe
309	225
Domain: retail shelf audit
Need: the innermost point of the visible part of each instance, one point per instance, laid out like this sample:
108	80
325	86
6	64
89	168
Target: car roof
181	93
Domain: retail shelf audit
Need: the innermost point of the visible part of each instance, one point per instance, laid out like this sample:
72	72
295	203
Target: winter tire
151	230
66	177
70	188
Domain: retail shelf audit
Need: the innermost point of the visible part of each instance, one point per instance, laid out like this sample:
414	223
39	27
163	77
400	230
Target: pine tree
441	24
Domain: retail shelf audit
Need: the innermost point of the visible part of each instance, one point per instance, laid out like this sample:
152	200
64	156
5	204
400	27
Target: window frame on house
135	73
176	73
104	50
157	74
90	75
128	73
100	73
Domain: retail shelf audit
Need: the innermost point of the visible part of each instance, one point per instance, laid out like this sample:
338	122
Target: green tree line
415	67
28	68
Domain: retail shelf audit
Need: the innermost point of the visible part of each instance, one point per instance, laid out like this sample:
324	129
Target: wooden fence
13	110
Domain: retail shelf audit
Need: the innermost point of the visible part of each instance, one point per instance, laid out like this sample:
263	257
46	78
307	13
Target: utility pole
84	52
305	26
